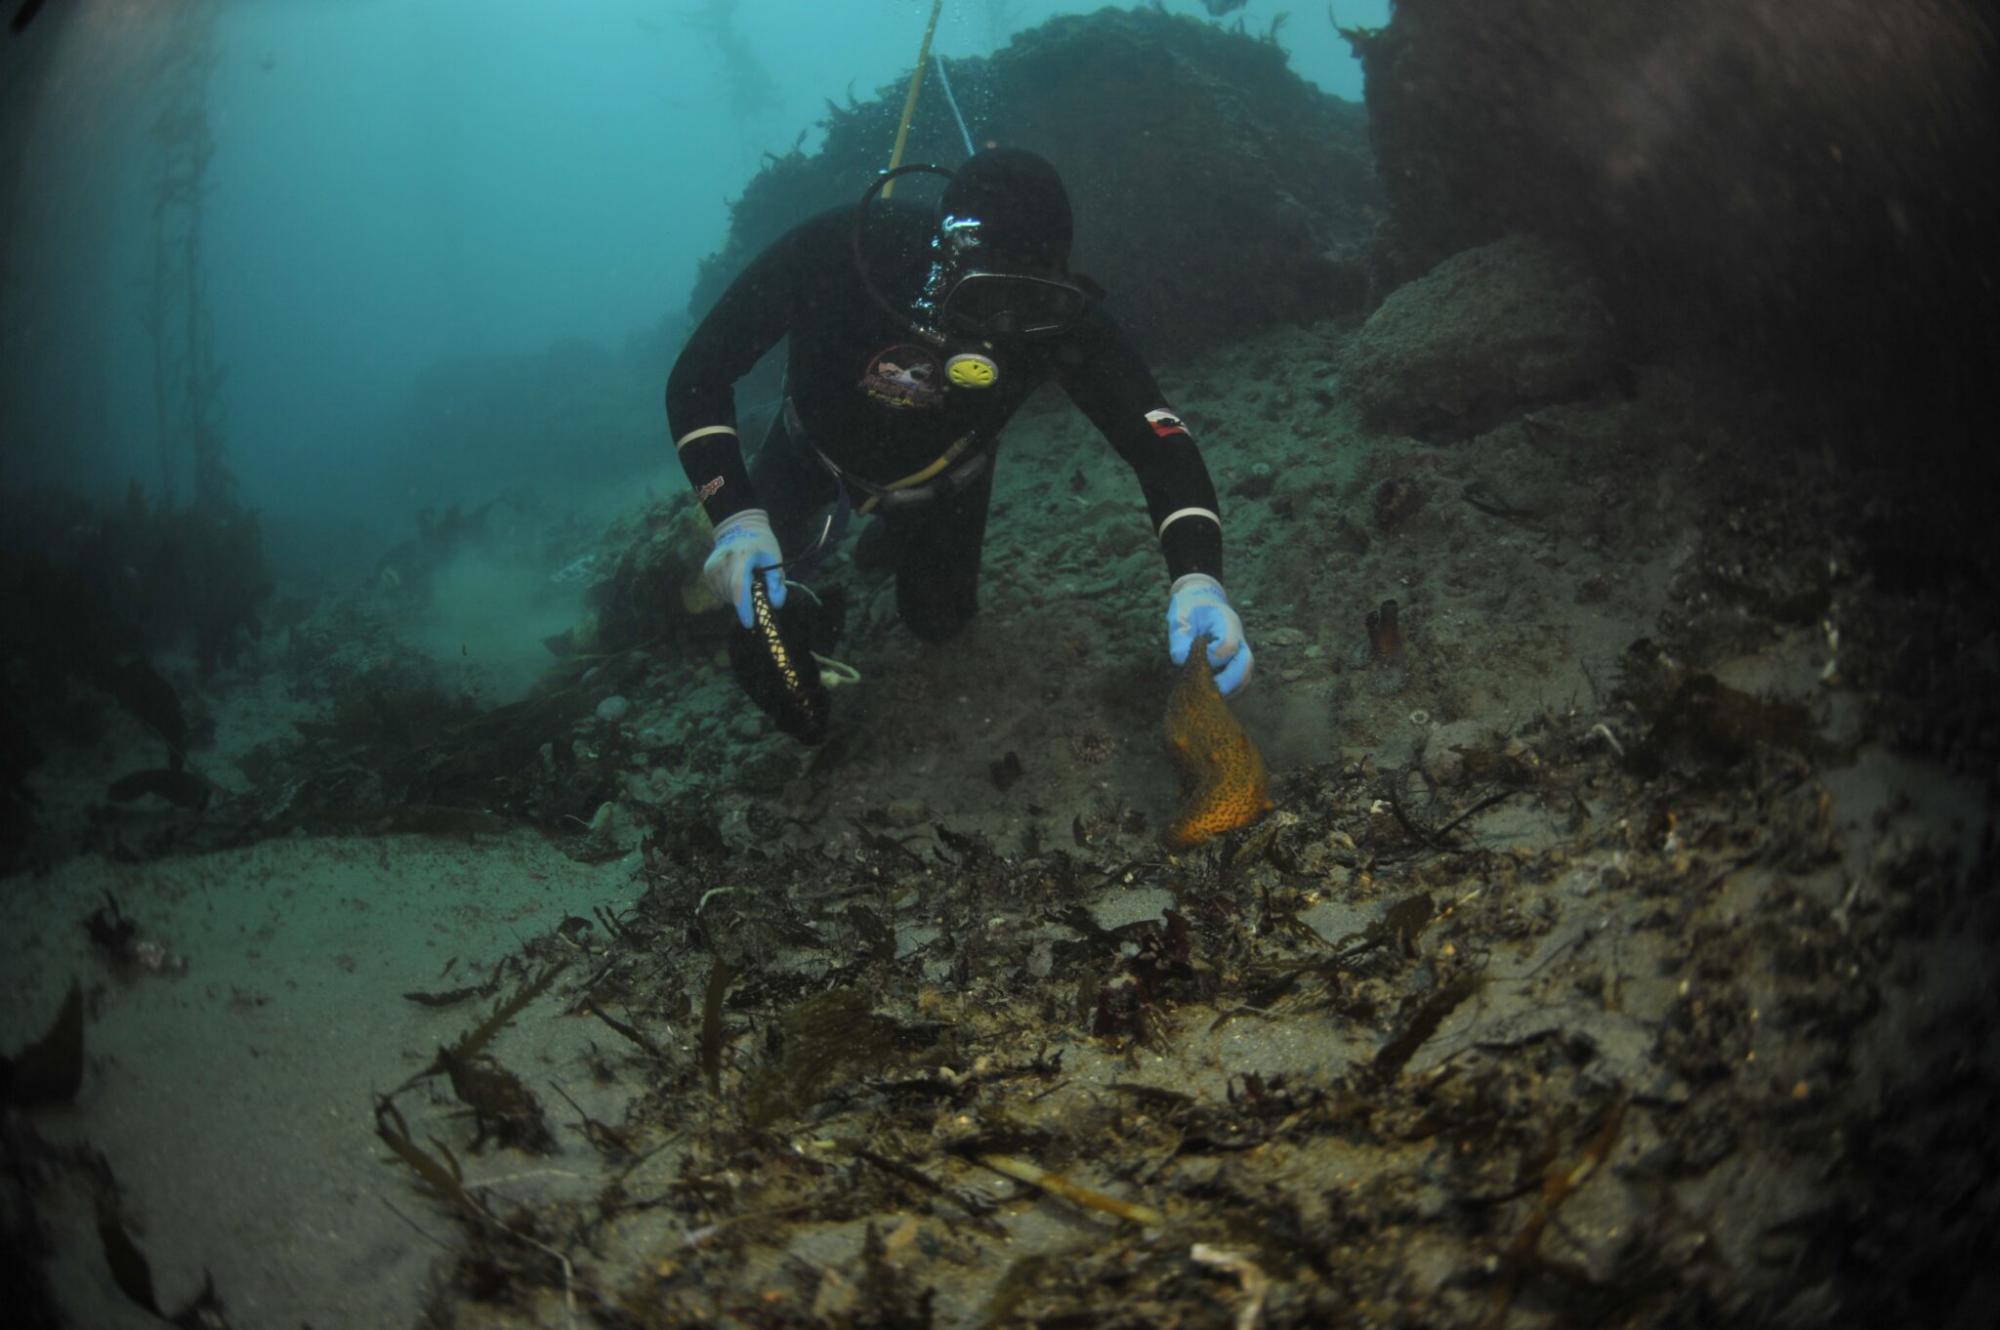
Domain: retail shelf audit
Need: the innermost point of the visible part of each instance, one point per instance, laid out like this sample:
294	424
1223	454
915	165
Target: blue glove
744	547
1196	606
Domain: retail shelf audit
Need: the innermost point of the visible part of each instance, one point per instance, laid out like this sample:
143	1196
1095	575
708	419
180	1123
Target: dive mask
1000	304
960	295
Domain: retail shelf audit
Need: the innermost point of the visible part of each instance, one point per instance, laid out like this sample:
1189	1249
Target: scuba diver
916	333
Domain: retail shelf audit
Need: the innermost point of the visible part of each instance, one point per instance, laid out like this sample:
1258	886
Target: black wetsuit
873	400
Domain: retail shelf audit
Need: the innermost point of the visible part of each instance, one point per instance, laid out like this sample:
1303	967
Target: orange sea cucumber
1223	782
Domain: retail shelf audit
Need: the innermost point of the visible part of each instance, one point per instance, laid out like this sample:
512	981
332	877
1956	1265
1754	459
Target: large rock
645	584
1486	335
1806	178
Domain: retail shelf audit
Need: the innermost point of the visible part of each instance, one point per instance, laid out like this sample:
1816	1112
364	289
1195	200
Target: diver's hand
1197	607
744	548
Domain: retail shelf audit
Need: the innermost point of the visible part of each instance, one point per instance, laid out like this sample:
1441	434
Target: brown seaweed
474	1040
820	1037
719	976
450	997
444	1179
502	1105
480	1035
625	1028
1391	1057
607	1140
1401	924
1518	1257
1005	771
1696	718
977	1207
439	1173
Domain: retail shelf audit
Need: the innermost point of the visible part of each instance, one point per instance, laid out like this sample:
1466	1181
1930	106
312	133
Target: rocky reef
1216	191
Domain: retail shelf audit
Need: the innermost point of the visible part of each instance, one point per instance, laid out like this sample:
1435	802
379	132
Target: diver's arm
758	308
1111	384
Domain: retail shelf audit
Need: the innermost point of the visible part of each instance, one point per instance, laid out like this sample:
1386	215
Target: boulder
1488	334
1806	182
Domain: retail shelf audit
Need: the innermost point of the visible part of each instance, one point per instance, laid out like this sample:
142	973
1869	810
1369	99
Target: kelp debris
1401	924
1005	771
976	1206
1055	1184
878	1083
1519	1256
607	1140
142	691
1423	1023
1435	837
474	1040
131	1272
1156	970
626	1029
719	976
502	1105
439	1173
816	1040
451	997
111	932
1256	1284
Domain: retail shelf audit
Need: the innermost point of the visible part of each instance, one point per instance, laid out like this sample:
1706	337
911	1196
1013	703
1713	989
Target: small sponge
1223	782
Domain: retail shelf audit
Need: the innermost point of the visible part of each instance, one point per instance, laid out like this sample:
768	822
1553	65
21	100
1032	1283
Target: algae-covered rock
1216	192
653	589
1488	334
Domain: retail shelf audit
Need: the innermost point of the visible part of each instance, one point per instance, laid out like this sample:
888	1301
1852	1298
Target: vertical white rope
952	102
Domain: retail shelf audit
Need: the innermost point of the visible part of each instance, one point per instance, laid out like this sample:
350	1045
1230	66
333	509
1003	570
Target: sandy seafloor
233	1100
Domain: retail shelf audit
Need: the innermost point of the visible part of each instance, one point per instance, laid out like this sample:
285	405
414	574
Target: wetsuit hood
1020	210
998	261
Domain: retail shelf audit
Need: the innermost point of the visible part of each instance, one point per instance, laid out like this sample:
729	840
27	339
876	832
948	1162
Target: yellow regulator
971	370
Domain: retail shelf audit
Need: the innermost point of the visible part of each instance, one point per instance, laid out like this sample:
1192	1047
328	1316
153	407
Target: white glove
1197	607
745	547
